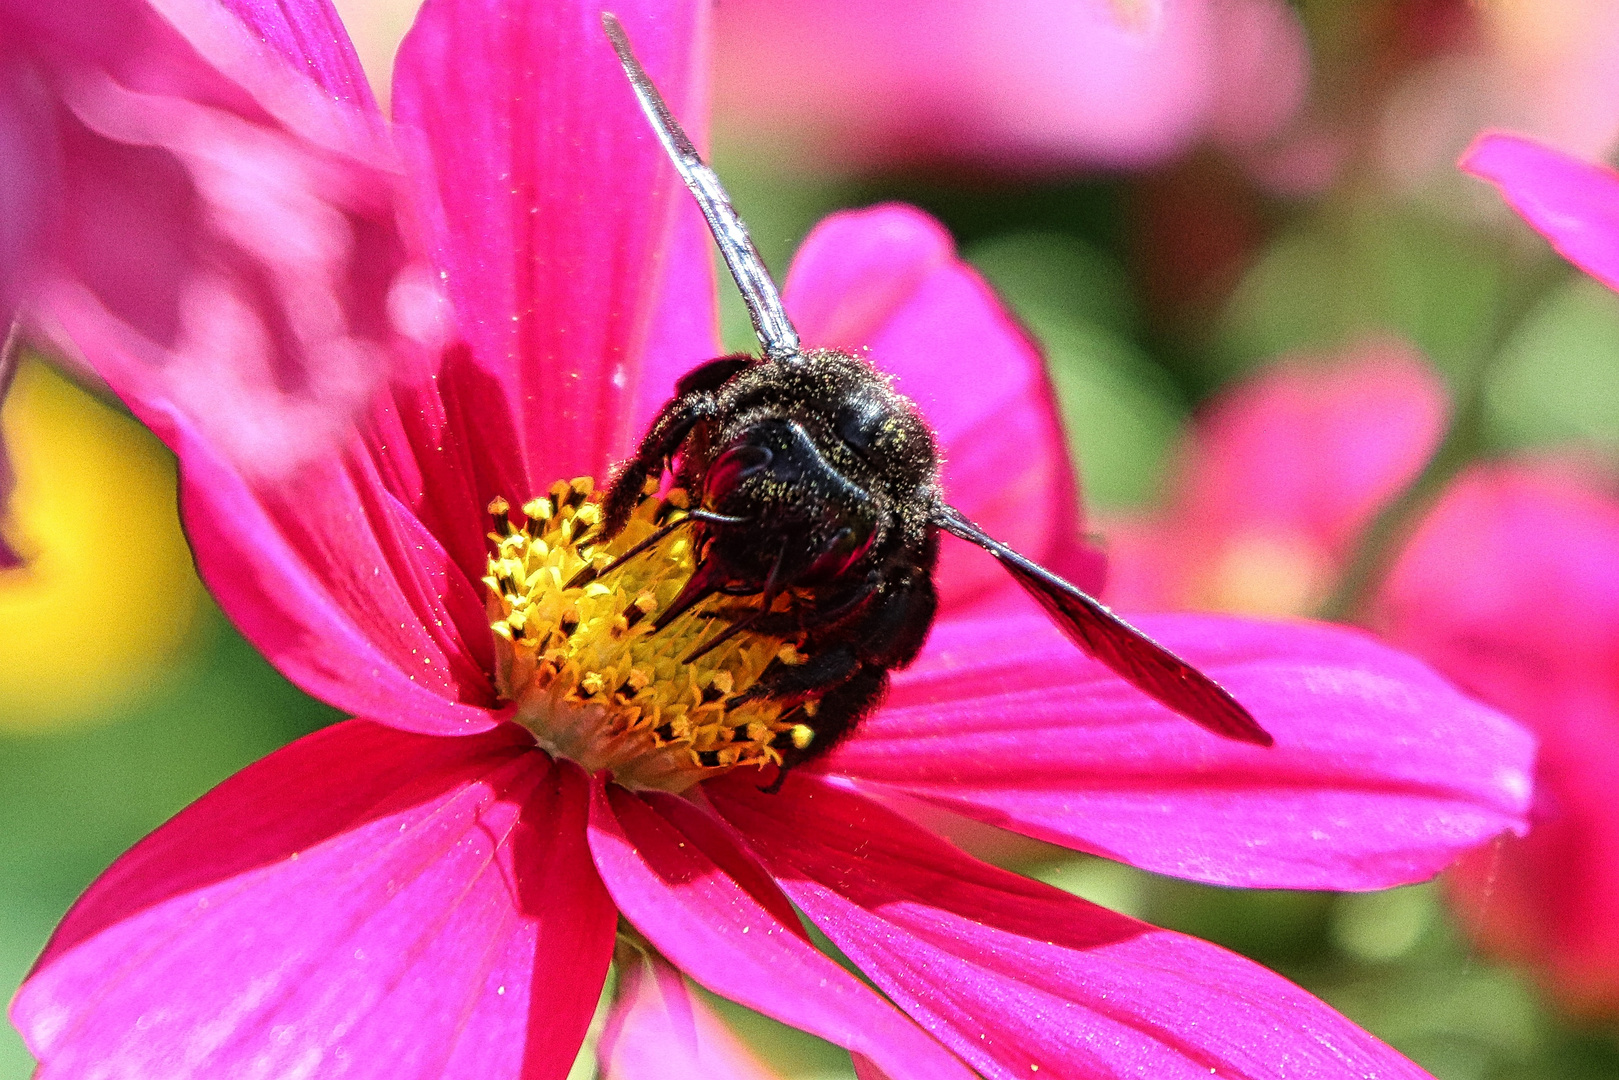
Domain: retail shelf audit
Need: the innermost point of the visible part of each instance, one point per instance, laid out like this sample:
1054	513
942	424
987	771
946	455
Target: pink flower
1026	83
1278	482
1531	629
181	202
1550	71
660	1030
1507	587
206	202
1510	587
424	892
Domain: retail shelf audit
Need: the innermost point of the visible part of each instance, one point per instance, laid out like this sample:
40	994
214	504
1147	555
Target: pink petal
660	1030
28	173
445	448
1572	203
308	34
1021	979
365	901
672	886
1510	587
1381	773
551	207
359	576
340	587
292	59
1285	472
27	176
685	330
225	240
889	279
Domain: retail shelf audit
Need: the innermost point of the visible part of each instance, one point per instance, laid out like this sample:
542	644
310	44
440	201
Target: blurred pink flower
1511	588
1548	70
1277	482
197	199
1021	84
423	892
659	1030
1535	632
1507	587
179	199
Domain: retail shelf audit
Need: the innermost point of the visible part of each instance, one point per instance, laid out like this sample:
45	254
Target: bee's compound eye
844	550
731	468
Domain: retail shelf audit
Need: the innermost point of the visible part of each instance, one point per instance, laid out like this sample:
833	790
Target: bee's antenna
776	334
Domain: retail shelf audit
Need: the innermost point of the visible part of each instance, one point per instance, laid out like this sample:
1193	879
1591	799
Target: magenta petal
1381	774
1572	203
308	34
685	331
337	585
365	902
889	279
1021	979
1511	587
725	938
291	58
551	206
226	239
660	1030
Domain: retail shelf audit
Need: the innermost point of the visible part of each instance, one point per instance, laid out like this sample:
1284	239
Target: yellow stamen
576	652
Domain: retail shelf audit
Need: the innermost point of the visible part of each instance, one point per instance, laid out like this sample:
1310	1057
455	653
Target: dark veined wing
777	336
1134	656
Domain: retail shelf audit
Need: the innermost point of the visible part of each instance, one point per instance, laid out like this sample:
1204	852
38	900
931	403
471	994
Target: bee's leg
887	634
790	623
851	675
668	431
713	374
794	682
835	716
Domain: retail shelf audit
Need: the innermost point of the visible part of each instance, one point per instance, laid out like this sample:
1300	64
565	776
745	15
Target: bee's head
785	493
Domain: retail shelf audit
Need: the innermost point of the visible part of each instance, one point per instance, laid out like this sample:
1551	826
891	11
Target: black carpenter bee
811	474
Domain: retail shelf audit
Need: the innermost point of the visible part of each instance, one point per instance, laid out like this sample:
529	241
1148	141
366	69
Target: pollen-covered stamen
579	650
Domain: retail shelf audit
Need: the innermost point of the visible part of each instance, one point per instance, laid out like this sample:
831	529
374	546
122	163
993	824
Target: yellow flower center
579	654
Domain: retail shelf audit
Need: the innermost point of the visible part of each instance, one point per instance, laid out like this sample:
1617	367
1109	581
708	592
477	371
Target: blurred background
1236	227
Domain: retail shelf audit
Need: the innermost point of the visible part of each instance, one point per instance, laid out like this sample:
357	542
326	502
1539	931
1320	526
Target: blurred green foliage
1557	380
1347	271
75	797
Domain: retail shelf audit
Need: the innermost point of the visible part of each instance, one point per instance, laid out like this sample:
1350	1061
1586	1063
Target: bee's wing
1138	659
776	334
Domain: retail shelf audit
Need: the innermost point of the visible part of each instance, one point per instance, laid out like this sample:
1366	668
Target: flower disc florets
578	654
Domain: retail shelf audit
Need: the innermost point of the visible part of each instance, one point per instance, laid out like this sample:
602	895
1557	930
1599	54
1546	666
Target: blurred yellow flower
107	597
